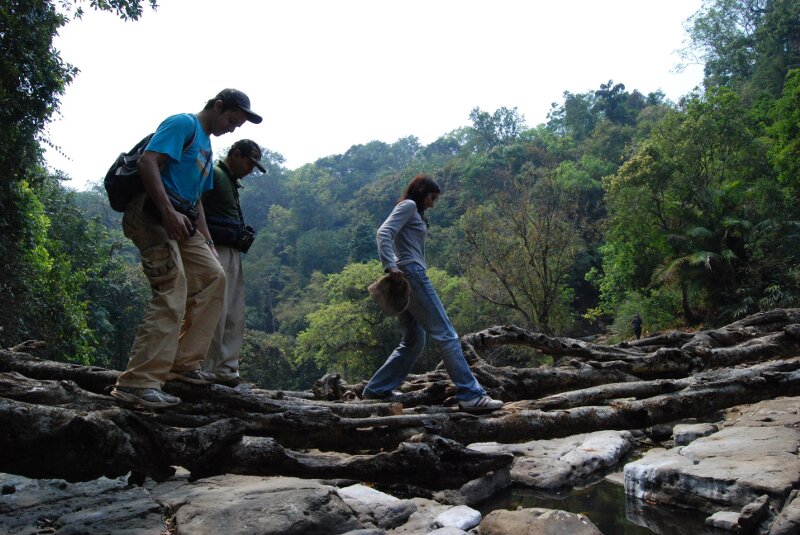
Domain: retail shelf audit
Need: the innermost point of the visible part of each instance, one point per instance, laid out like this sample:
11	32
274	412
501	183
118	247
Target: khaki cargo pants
223	354
188	287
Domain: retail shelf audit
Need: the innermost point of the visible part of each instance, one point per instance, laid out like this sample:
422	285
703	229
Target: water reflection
609	509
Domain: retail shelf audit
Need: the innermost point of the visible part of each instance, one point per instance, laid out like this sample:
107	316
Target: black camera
183	206
245	239
180	204
230	232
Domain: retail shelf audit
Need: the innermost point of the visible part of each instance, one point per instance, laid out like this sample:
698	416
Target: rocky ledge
744	471
247	505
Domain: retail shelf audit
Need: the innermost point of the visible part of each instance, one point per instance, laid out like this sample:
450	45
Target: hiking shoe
232	382
480	404
152	398
195	377
369	394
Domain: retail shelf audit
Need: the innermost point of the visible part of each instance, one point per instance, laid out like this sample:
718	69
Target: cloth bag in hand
391	295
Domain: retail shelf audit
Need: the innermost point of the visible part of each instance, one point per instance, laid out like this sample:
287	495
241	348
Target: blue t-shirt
189	172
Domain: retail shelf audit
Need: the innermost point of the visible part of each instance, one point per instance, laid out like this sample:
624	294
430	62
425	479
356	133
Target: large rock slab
537	521
726	470
783	412
684	434
562	462
102	507
243	505
460	516
424	520
377	508
476	491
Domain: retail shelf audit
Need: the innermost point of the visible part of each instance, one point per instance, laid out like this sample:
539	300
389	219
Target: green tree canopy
39	280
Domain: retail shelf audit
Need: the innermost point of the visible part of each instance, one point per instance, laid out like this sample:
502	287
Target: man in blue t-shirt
168	226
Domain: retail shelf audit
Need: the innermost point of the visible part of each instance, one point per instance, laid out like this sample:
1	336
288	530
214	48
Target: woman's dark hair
418	189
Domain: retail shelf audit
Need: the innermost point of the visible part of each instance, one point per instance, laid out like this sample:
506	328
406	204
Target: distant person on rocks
636	323
231	238
168	226
401	248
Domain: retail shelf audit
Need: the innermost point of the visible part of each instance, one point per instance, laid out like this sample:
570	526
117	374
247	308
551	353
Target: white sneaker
480	404
152	398
195	377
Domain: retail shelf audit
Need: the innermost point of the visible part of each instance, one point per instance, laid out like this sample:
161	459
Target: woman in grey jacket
401	247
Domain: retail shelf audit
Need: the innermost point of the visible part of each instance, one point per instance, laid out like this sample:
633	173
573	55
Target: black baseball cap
240	100
250	149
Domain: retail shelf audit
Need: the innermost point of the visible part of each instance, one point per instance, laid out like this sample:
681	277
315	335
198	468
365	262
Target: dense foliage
48	287
621	203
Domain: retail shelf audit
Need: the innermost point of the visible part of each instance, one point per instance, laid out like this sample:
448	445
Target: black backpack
123	181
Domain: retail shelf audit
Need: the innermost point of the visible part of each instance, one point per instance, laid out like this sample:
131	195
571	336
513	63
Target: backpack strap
188	143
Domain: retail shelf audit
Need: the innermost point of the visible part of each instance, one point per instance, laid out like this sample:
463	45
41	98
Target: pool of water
607	506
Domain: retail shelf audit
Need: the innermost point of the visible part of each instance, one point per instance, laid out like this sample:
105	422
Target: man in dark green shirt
226	224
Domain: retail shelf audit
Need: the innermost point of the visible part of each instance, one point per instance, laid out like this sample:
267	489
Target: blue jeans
425	314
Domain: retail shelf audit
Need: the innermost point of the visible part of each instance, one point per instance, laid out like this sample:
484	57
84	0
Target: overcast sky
329	74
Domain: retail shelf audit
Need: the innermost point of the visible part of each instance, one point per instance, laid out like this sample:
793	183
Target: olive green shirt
221	200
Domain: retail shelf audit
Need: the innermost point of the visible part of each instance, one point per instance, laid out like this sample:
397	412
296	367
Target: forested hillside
621	203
